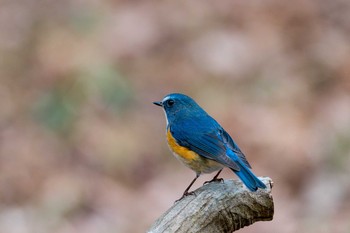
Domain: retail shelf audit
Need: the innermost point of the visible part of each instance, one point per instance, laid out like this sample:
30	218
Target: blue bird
198	141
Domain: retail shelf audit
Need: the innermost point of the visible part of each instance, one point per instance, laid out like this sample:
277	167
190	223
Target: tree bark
218	207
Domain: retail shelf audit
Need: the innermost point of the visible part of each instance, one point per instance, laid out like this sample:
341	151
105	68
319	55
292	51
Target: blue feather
245	174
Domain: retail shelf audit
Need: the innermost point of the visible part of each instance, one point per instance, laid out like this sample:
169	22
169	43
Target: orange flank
181	151
191	159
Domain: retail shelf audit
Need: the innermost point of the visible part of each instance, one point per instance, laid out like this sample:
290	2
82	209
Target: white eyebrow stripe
166	98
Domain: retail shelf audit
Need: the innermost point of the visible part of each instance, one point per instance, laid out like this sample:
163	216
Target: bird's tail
247	176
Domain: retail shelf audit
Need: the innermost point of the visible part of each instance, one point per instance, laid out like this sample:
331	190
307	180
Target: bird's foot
184	195
214	180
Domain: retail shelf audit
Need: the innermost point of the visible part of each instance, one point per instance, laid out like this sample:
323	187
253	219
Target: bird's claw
214	180
184	195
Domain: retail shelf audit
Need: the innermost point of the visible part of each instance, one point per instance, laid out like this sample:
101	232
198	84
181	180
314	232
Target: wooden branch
218	207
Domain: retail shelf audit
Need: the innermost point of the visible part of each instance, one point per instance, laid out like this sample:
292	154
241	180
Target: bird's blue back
193	128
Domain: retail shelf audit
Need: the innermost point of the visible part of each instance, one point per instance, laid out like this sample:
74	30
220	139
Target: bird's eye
170	103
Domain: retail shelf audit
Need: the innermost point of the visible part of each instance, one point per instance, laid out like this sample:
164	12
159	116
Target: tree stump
218	207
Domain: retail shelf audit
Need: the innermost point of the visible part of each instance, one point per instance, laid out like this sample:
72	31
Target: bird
200	143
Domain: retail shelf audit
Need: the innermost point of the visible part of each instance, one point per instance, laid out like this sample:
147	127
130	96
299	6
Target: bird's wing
228	141
209	140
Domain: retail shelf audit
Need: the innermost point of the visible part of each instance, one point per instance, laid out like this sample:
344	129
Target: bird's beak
158	103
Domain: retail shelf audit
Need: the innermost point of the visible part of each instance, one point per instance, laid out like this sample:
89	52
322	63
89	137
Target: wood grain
218	207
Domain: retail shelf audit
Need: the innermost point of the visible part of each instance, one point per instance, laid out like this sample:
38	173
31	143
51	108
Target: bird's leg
186	193
215	178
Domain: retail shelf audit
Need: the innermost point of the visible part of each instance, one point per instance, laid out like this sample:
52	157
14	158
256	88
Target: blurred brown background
82	149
